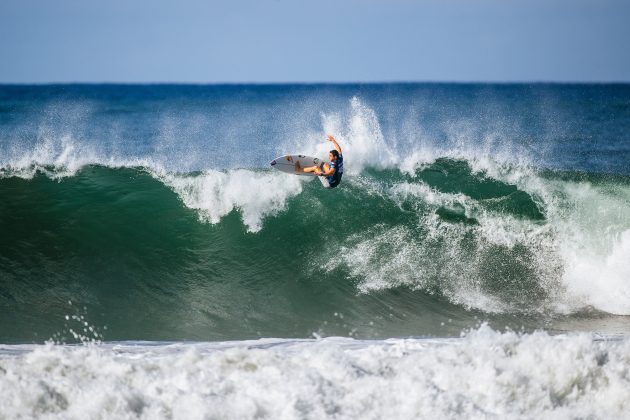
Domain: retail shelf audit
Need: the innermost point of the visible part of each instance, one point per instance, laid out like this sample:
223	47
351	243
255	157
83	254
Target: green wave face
247	253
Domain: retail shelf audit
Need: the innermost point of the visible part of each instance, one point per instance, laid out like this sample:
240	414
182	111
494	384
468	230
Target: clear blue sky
313	41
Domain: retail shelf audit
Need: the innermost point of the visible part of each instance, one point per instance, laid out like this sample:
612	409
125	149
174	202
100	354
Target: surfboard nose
273	162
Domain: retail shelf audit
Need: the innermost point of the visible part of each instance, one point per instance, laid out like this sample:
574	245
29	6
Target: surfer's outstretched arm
334	142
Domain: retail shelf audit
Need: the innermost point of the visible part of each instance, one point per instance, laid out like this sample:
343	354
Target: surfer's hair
335	153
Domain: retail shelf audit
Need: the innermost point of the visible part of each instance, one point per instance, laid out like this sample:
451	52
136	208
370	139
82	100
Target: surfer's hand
330	138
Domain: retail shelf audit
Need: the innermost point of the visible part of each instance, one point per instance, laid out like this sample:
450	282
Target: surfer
333	170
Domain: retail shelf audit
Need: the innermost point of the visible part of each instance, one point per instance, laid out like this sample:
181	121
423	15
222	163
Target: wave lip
214	194
483	374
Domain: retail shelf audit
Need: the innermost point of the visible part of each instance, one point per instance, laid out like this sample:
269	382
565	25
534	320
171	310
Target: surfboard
287	164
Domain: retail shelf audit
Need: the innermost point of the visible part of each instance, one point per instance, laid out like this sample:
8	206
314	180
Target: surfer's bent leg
310	169
298	168
317	168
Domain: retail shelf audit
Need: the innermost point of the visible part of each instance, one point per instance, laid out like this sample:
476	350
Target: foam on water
485	374
610	272
589	224
215	194
55	157
449	258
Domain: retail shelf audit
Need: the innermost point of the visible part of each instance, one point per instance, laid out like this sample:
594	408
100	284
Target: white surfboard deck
287	164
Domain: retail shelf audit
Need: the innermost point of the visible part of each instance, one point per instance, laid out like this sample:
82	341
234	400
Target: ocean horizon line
321	83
